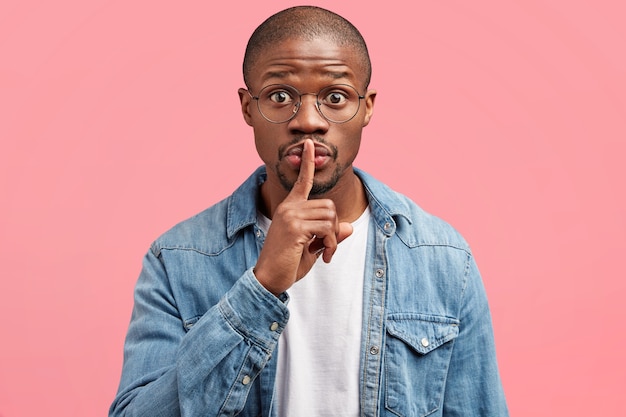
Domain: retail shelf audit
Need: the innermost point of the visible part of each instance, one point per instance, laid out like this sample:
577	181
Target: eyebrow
337	74
276	74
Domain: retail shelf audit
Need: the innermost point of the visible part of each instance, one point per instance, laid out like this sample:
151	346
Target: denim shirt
203	336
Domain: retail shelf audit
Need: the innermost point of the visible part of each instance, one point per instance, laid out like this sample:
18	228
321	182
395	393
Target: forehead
304	60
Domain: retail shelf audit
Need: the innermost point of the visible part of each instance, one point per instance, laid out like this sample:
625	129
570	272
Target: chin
319	188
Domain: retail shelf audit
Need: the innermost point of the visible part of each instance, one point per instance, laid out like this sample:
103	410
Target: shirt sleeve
207	370
473	386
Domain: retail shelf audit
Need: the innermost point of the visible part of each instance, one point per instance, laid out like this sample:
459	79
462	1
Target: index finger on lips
304	183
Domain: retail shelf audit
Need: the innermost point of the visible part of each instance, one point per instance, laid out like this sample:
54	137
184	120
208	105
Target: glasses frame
298	104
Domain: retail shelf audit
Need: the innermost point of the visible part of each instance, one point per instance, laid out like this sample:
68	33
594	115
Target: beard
318	189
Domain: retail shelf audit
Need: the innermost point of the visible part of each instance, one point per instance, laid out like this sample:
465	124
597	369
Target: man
235	314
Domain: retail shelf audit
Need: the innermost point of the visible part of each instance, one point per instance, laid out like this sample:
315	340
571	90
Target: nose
308	119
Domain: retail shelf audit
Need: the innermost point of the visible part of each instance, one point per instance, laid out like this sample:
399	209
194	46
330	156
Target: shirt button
424	342
380	273
274	326
374	350
387	226
245	380
258	233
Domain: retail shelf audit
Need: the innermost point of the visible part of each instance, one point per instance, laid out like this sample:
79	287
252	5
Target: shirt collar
385	204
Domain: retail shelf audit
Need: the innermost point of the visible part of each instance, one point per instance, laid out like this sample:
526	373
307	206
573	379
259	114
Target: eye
280	97
335	98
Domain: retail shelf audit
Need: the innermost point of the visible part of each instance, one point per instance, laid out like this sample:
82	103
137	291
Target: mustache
282	149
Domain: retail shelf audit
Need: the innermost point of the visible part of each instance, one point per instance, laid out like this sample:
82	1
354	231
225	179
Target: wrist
261	279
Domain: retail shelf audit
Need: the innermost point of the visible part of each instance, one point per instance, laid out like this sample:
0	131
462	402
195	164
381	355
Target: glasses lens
339	103
278	103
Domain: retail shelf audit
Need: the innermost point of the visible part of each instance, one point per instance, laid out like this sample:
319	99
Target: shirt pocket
417	355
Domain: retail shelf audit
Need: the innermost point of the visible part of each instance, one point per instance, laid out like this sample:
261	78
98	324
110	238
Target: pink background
506	118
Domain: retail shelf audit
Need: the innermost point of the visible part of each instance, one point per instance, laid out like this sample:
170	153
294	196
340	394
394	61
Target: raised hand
301	231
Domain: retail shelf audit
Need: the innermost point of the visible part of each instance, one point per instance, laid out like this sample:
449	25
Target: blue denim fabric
203	335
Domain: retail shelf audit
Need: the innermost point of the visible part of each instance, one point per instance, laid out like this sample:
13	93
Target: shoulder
216	228
423	228
413	225
205	232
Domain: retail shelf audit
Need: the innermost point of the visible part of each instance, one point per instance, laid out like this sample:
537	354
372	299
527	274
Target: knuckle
329	204
282	211
286	213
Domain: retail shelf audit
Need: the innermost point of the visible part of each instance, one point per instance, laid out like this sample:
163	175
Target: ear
369	99
245	98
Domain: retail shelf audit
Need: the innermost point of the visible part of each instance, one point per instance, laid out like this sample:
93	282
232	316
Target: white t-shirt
319	350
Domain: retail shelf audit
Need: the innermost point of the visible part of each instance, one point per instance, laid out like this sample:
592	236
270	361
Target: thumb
345	230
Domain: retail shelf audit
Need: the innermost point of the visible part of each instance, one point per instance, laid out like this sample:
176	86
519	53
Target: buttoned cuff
255	312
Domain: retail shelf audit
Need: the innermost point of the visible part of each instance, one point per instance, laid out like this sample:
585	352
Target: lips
293	155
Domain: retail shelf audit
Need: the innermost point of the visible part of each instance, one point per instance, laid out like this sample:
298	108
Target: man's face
309	66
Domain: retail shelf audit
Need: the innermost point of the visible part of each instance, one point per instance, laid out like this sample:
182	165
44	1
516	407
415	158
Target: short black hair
305	22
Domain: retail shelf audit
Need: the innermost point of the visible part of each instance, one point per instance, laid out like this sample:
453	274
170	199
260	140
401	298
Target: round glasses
279	103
